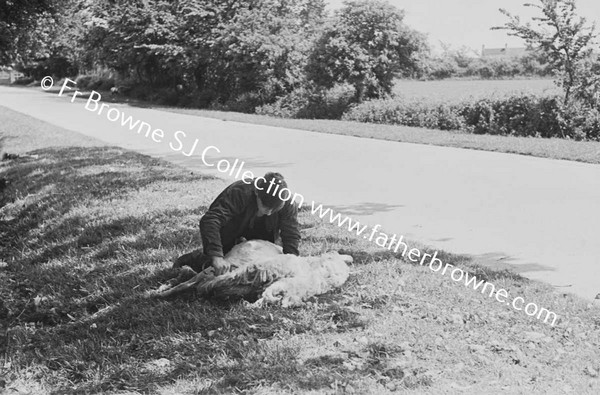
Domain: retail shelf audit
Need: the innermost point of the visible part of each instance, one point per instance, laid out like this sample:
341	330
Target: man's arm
289	228
222	210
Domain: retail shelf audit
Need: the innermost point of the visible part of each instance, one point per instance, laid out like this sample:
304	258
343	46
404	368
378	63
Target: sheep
260	269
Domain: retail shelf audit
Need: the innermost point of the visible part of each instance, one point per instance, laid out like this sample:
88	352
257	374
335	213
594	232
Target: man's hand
221	266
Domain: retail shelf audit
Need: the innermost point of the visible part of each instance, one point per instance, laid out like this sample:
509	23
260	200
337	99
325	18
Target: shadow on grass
221	342
52	186
86	232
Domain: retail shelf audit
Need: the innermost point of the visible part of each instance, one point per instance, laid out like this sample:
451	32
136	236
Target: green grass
85	230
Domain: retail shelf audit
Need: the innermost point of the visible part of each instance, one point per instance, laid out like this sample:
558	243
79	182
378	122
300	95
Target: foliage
16	21
219	52
522	115
563	36
586	88
518	115
230	54
37	37
580	122
135	40
262	49
365	45
464	62
312	103
440	68
97	82
416	113
56	66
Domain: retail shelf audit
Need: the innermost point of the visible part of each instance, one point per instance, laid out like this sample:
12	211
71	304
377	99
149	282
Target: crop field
461	89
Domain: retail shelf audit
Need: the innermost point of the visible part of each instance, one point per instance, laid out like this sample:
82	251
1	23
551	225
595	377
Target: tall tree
365	45
564	37
216	49
18	20
264	48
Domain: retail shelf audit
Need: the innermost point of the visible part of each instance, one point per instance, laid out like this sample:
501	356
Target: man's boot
195	259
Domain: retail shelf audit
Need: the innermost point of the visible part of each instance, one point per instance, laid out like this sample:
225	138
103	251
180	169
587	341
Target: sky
467	22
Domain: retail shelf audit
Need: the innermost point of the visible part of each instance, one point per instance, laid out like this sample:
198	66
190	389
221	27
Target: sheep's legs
204	275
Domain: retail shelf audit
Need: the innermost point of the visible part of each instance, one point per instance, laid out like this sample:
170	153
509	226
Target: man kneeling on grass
244	211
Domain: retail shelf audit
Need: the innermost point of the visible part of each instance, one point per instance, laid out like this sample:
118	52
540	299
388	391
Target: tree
262	49
565	38
138	40
365	45
216	50
18	20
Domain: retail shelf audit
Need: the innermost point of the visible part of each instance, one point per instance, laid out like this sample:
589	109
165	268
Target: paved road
541	217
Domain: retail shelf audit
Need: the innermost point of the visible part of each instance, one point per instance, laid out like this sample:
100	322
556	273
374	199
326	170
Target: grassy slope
87	230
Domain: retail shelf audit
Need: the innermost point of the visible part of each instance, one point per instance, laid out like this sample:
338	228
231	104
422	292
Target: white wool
297	278
259	265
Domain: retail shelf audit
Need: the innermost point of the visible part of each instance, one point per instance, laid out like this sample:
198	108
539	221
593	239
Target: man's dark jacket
234	211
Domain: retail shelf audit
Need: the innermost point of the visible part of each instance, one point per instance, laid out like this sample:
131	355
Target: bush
312	103
580	122
288	106
442	68
83	81
245	102
408	113
23	81
366	44
589	129
520	115
95	82
486	72
56	66
458	64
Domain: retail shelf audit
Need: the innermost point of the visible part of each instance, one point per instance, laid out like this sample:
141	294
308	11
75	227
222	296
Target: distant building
8	75
506	52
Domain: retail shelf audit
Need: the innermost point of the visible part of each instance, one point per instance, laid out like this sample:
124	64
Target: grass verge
85	230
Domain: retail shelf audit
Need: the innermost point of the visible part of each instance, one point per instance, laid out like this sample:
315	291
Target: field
454	90
87	229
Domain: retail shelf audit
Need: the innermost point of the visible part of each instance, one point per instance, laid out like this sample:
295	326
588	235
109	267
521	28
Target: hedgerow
520	115
312	103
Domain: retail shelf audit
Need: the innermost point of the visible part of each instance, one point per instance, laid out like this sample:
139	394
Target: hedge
520	115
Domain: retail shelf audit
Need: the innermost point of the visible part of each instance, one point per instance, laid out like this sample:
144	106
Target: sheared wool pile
260	269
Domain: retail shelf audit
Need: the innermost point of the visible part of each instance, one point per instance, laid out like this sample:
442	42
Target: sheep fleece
289	279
